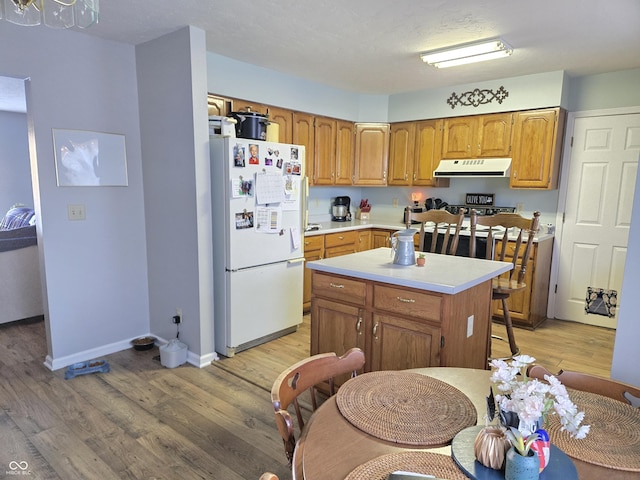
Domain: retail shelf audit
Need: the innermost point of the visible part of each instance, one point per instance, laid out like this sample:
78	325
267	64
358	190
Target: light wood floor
143	421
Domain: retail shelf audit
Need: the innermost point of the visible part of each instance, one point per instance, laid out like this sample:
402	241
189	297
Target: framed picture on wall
85	158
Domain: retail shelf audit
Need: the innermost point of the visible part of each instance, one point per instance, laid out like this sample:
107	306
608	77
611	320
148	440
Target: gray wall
15	172
95	270
172	90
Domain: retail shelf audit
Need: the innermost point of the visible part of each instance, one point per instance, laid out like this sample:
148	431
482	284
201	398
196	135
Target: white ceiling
373	46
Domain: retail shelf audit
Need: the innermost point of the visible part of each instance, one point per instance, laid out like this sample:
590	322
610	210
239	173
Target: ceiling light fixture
56	13
467	53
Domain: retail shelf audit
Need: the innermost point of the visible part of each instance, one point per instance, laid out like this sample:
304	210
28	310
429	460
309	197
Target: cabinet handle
406	300
341	237
358	325
335	285
375	331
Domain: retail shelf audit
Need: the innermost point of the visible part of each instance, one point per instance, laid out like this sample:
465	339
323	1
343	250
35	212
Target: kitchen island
404	316
528	307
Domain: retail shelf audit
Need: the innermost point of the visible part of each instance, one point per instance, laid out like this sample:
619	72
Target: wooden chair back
305	376
591	383
509	234
443	223
268	476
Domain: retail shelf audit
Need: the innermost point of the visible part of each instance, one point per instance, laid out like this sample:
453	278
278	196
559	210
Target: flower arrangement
532	399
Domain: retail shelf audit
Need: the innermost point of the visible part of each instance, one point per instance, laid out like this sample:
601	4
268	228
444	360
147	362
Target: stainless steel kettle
402	247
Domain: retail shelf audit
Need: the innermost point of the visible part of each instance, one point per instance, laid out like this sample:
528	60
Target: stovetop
480	210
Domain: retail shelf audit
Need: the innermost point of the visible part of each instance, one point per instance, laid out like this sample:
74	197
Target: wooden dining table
330	447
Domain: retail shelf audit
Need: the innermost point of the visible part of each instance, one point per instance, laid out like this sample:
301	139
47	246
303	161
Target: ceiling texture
373	46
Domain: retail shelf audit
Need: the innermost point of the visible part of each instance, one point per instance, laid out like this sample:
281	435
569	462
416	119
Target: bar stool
506	238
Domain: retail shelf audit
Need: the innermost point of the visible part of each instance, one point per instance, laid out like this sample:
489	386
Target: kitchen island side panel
466	328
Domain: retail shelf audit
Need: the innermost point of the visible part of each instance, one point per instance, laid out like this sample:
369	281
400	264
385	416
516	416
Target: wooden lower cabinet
364	240
399	327
399	343
336	244
381	238
528	307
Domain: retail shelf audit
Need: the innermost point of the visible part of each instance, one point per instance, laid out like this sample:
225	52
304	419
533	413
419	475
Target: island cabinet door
336	327
398	343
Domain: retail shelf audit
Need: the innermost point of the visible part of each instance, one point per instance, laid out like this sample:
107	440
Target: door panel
399	344
600	190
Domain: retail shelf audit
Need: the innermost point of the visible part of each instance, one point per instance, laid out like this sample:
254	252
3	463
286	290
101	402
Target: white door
597	215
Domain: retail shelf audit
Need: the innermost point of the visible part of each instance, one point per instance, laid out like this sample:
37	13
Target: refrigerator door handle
295	260
305	203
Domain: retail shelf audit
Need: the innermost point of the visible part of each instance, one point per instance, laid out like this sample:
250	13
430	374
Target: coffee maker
340	210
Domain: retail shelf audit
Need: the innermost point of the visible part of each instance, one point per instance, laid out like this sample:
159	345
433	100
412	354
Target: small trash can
173	354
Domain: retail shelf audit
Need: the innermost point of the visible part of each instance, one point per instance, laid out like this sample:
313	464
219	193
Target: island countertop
442	273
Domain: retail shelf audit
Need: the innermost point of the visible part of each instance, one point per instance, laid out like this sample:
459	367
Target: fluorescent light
467	53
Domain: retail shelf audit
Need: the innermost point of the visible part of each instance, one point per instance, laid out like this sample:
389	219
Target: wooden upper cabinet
344	152
427	153
218	106
284	118
414	153
402	142
371	154
477	136
304	134
494	135
247	106
458	137
536	148
325	151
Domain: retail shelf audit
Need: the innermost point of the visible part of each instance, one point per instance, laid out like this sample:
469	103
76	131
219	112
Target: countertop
442	273
389	224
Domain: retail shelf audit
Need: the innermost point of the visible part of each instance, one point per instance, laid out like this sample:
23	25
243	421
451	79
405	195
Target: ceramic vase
519	467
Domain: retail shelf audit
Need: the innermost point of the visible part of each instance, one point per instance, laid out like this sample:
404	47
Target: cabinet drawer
315	242
339	288
339	239
408	303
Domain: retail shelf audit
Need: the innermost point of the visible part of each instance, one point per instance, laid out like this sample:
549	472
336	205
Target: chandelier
56	13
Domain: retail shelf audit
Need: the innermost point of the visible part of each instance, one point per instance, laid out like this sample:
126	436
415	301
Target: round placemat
614	438
427	463
406	408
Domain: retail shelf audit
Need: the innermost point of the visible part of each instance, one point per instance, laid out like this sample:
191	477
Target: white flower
532	399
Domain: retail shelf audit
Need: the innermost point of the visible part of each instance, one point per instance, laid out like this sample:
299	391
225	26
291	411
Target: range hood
476	167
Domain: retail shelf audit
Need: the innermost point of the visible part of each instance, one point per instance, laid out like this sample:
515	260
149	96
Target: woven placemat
614	438
427	463
406	408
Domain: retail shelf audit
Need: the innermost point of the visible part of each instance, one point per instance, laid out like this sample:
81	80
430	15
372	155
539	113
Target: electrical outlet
76	212
395	203
469	326
178	316
519	207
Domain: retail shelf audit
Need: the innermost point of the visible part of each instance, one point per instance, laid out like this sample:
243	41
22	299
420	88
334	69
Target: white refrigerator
258	193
